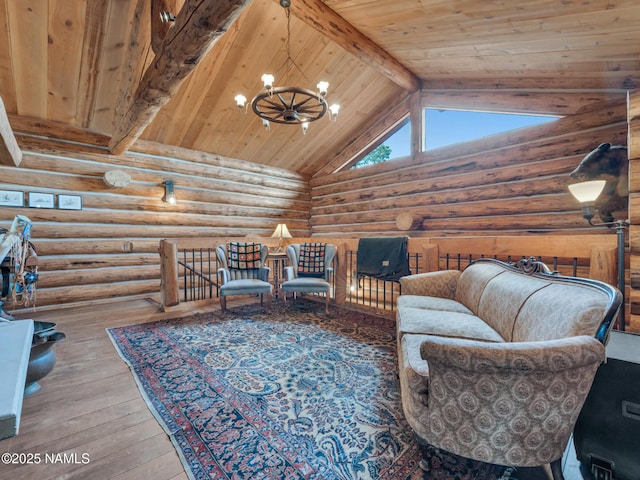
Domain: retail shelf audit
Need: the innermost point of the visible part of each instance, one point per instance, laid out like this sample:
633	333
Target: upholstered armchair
243	271
509	404
309	270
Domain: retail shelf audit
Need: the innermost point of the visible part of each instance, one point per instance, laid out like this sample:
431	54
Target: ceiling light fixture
166	17
289	105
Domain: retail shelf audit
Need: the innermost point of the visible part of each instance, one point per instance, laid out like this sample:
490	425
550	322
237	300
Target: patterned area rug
282	394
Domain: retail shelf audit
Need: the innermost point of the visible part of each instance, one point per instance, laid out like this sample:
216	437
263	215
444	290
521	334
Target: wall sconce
169	193
166	17
280	232
587	193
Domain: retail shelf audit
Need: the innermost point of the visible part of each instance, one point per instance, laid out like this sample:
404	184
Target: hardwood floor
89	408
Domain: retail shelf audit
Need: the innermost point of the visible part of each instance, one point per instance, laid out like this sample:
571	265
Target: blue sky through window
448	127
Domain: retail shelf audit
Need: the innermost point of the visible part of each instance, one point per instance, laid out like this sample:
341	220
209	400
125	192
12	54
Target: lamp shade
281	231
587	191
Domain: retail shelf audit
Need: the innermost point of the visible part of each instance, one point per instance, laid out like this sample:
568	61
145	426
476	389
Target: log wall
508	184
512	183
110	247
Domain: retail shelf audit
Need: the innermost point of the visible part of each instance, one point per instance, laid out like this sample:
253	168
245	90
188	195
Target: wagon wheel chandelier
289	105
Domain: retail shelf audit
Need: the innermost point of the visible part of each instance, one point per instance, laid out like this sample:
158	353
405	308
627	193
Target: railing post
340	272
169	294
430	258
602	264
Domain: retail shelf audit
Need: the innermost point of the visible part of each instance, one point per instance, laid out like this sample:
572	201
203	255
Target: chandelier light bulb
323	88
241	101
266	124
268	80
333	110
305	127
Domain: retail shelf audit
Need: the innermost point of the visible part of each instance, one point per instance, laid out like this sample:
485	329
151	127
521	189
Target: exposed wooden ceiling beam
10	153
198	26
326	21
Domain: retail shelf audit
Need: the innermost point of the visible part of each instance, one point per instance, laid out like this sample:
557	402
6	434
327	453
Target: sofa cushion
502	300
472	282
560	310
444	323
432	303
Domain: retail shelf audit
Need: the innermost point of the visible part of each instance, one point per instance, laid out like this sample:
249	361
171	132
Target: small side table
279	261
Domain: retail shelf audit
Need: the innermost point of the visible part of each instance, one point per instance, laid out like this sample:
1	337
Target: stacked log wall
109	248
511	183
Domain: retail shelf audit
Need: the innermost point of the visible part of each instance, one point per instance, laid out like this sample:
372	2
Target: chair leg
262	299
284	297
326	303
223	302
425	461
556	469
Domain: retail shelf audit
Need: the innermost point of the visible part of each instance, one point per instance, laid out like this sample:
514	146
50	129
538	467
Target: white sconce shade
586	192
268	80
169	193
333	110
323	88
241	101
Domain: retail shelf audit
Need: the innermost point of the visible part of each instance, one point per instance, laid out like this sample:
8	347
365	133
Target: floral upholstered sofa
496	361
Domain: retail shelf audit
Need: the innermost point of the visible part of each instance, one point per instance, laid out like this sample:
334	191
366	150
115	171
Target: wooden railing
188	264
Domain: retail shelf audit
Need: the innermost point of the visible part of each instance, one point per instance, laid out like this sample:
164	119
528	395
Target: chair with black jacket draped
309	270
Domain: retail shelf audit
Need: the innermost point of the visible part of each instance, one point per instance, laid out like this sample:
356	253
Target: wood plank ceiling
71	61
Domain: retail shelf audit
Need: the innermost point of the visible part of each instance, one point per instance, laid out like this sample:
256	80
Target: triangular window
397	144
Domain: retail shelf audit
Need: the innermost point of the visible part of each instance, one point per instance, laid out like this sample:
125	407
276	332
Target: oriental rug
282	394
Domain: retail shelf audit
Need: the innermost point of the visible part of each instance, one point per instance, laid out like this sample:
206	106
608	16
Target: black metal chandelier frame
289	105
